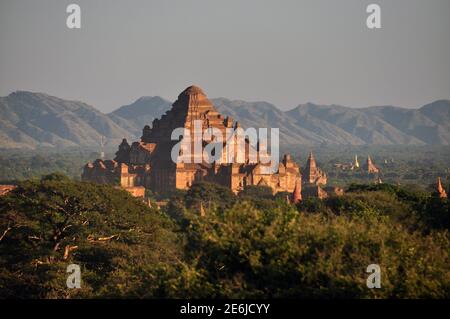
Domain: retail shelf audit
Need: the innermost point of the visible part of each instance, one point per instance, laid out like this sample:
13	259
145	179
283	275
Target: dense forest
209	242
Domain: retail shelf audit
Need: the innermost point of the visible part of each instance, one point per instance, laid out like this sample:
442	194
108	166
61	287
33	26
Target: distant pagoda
440	189
312	174
370	166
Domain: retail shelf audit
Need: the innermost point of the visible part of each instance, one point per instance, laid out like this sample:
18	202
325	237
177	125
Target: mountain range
30	120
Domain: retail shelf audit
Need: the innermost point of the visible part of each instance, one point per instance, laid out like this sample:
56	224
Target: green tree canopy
256	192
246	252
209	194
116	239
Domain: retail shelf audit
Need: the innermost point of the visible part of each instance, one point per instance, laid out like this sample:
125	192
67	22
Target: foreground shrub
248	252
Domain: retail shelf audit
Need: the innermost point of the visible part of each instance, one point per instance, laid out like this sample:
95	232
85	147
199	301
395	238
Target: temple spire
313	174
356	164
297	194
440	189
311	158
371	168
310	169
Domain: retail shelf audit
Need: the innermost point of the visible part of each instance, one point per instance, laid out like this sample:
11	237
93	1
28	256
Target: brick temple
147	163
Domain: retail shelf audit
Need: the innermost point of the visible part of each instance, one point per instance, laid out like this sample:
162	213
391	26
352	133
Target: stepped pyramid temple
147	164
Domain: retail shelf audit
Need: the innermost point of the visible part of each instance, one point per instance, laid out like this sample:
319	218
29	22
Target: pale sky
285	52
